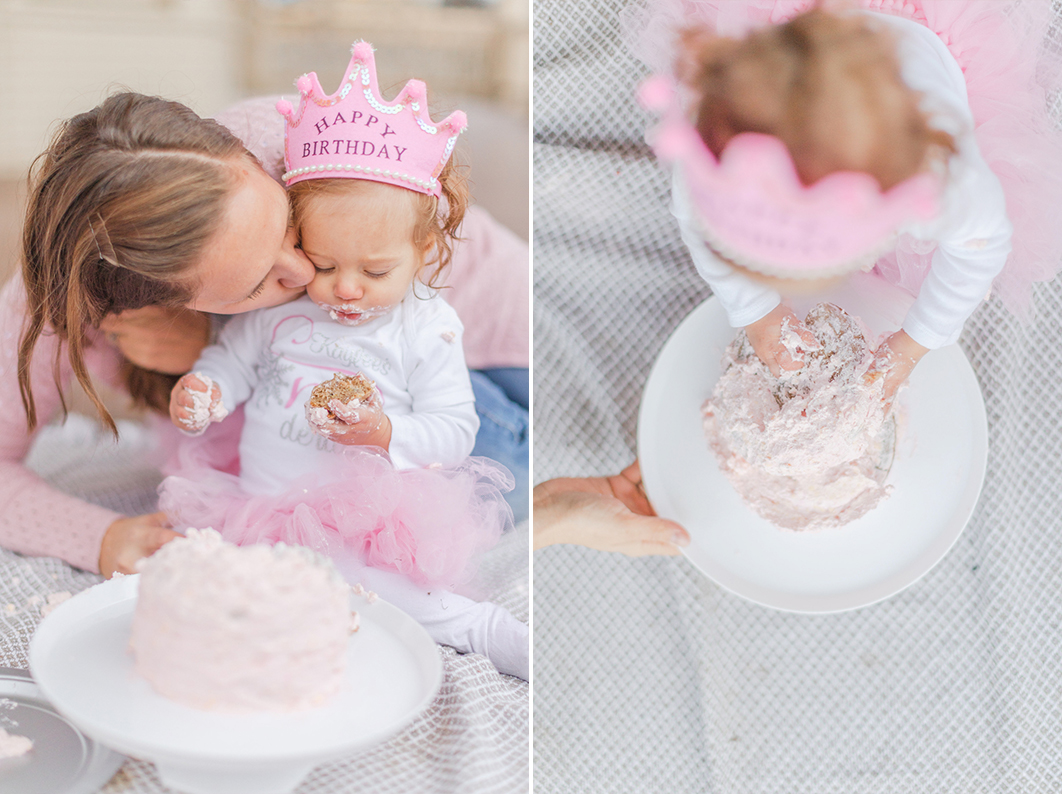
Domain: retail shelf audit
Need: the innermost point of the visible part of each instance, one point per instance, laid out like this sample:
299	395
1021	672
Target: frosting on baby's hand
347	409
206	404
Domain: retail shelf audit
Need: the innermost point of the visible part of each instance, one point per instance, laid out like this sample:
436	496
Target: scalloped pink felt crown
355	134
754	210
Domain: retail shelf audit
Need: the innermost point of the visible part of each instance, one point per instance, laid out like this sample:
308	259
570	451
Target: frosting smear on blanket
810	449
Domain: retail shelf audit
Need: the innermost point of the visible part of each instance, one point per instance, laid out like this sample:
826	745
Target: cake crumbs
54	600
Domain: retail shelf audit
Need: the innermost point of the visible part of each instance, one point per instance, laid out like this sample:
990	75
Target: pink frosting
810	449
12	745
235	629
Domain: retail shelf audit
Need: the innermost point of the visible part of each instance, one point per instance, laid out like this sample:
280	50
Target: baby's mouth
348	314
346	317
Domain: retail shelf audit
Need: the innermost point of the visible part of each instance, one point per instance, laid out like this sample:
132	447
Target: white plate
941	453
63	760
80	660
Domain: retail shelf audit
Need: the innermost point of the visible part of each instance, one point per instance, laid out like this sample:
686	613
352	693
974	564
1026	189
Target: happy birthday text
337	146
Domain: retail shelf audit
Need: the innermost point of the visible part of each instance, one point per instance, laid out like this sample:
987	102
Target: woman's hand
894	360
768	337
195	402
158	338
363	424
133	538
604	513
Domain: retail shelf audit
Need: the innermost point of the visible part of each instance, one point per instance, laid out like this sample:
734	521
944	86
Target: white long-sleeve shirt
270	360
972	232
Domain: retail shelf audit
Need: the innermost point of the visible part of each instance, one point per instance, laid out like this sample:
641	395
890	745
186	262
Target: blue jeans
501	402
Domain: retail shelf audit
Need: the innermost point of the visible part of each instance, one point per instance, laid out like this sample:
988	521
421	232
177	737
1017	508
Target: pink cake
231	628
812	448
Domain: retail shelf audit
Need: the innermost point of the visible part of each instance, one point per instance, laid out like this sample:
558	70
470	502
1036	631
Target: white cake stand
79	657
941	453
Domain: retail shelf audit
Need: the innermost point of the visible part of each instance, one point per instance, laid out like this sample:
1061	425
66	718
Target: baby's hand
893	361
781	340
195	402
358	423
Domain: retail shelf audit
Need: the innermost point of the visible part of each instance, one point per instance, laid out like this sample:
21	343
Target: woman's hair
431	229
828	86
120	207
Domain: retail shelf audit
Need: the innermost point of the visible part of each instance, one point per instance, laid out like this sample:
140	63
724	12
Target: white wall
61	57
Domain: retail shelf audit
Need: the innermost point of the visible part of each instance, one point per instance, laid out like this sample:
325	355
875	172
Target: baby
386	483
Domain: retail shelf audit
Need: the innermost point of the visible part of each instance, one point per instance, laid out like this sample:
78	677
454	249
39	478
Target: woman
141	217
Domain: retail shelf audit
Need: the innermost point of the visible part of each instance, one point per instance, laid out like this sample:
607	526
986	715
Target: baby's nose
349	289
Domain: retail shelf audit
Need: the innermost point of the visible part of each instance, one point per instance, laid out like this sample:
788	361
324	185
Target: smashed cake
810	449
349	390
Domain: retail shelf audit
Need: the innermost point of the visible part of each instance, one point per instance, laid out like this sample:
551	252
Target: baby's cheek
319	289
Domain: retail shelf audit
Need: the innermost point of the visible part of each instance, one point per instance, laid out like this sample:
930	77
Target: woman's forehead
247	243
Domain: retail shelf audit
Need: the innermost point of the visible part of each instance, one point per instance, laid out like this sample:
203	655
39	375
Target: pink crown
355	134
754	210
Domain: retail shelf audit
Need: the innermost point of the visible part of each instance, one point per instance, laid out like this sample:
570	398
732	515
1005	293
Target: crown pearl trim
310	169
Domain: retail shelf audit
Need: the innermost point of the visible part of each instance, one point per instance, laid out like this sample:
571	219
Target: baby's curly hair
828	85
435	227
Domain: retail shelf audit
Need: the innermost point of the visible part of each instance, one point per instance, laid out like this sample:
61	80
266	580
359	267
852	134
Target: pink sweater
490	281
34	517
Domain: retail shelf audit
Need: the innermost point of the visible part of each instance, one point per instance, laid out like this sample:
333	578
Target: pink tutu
1010	72
428	524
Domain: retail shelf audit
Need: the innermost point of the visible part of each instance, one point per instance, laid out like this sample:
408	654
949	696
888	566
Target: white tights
467	626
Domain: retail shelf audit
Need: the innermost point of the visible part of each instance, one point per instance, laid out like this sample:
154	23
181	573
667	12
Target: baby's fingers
794	343
196	402
184	398
344	412
194	382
